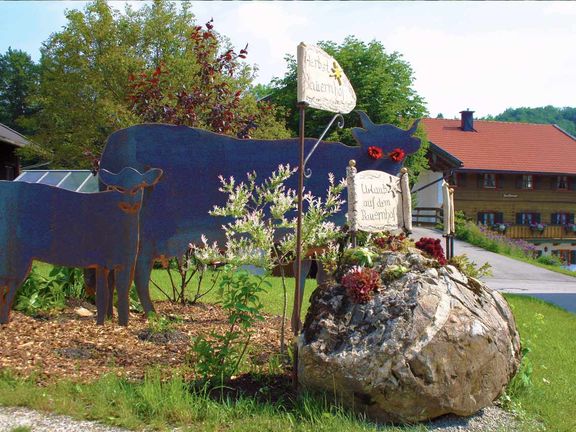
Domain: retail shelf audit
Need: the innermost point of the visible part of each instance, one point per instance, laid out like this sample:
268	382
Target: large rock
429	343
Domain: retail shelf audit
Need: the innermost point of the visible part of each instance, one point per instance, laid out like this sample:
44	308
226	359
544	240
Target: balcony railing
549	232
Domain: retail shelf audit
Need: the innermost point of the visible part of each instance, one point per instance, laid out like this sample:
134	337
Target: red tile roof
502	146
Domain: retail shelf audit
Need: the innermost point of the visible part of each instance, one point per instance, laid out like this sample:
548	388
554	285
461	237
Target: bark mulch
65	345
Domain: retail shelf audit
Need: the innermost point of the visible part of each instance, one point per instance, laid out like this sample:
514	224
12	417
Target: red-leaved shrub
433	248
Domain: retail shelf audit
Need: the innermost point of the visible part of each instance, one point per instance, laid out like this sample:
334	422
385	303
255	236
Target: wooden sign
321	81
378	201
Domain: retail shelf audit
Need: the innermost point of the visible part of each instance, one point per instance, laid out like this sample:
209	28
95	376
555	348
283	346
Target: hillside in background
563	117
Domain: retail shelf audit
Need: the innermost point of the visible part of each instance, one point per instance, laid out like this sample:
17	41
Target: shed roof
503	146
10	136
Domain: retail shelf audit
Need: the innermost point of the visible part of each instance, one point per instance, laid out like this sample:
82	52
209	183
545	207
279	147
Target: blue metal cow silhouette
89	230
176	212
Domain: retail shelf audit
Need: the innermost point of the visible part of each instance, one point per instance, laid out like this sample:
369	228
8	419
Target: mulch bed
65	345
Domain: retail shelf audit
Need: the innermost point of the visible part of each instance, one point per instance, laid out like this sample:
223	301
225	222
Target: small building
10	140
516	177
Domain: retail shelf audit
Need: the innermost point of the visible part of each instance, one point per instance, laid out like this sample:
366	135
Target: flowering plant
361	282
501	227
375	152
397	155
570	227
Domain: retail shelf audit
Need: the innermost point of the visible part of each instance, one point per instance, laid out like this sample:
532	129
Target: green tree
19	77
86	69
563	117
383	83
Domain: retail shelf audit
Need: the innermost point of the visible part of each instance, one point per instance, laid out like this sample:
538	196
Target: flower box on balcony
537	227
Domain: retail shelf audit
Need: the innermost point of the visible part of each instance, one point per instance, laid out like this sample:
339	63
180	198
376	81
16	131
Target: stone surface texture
430	343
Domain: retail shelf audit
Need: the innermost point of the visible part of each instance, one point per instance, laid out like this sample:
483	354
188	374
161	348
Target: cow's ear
412	130
358	133
152	176
107	177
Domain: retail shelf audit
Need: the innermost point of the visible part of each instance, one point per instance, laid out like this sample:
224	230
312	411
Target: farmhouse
518	178
10	140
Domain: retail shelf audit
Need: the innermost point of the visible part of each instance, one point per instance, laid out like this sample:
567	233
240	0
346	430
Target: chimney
467	120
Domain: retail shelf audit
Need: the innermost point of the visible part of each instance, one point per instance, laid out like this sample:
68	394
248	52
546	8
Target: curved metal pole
308	171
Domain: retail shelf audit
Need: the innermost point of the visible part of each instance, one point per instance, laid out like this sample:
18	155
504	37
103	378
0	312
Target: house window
527	181
562	182
567	256
562	218
489	181
527	218
490	218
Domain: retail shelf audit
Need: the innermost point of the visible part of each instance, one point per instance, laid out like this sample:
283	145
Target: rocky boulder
428	343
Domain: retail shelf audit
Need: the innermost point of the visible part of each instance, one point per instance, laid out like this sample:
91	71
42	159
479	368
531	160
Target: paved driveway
512	276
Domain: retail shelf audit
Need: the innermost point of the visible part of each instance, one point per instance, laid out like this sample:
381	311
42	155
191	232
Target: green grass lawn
547	330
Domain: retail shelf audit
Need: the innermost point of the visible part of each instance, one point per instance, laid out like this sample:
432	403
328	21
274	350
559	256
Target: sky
485	56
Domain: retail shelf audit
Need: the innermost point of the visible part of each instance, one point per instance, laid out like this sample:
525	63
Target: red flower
397	155
375	152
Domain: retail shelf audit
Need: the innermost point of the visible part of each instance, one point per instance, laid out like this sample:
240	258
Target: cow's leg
142	280
102	295
111	286
123	281
8	288
306	265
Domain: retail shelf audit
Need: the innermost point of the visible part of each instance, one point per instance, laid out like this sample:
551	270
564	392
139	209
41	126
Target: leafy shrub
39	293
552	260
470	268
218	357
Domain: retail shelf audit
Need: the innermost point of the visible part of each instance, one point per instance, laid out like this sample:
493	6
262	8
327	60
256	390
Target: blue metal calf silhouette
57	226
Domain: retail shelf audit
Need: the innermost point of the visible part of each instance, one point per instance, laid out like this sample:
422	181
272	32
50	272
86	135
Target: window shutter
462	177
518	218
572	183
571	218
480	219
480	180
537	182
553	182
518	182
499	218
499	181
536	217
573	257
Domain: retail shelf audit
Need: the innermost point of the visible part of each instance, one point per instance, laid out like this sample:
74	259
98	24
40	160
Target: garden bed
64	345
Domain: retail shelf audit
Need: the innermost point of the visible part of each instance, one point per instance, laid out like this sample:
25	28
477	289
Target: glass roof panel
53	177
75	180
31	176
91	184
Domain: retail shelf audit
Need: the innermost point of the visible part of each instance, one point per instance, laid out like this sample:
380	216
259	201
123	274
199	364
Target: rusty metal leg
5	303
102	294
142	280
123	282
8	290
